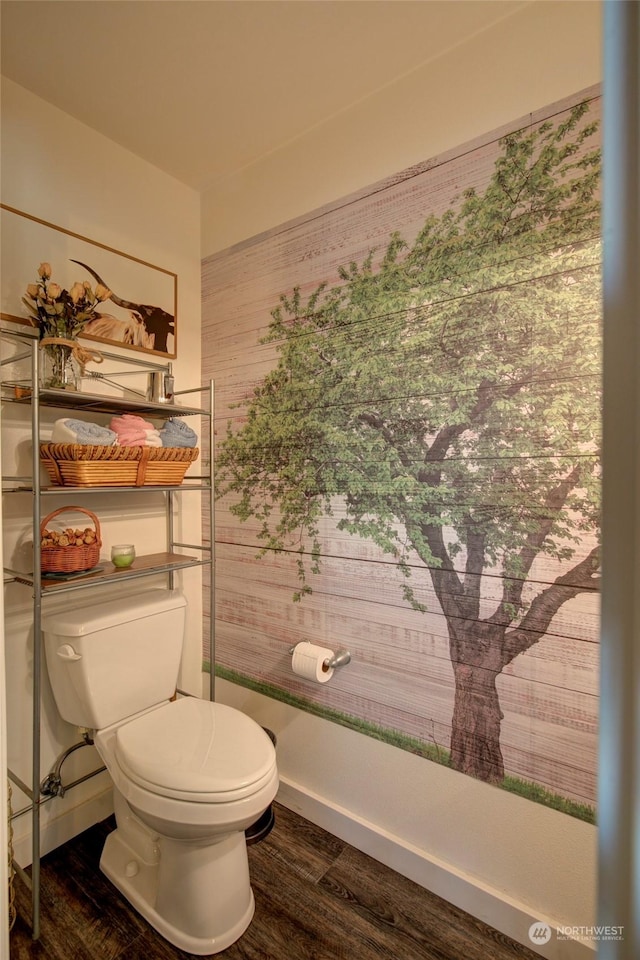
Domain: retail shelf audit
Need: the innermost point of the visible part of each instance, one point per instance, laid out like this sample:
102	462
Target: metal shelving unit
28	392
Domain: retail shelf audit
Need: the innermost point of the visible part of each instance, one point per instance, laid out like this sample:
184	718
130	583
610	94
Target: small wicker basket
85	465
70	559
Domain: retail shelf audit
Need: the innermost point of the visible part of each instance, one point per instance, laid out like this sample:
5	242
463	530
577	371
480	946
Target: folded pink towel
147	438
128	422
131	439
133	431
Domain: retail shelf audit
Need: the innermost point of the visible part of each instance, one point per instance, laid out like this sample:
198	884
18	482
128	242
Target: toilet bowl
179	853
189	775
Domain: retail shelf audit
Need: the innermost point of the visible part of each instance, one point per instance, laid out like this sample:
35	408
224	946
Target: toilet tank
110	660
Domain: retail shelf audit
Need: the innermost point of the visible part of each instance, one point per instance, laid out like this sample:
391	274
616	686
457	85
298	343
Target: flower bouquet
60	316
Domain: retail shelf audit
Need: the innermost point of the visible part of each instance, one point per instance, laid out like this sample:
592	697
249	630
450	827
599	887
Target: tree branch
511	587
580	579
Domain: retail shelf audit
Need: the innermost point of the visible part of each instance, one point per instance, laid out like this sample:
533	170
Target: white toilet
189	775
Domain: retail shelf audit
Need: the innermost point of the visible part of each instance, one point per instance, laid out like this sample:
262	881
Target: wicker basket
83	465
70	559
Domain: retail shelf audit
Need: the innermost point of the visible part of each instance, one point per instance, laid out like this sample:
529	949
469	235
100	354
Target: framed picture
140	314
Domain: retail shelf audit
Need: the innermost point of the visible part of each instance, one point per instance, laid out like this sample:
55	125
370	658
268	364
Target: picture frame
141	313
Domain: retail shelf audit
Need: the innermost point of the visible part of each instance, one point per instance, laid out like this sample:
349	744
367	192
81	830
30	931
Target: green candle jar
123	555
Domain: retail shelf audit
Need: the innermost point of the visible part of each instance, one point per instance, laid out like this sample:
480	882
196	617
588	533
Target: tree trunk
475	733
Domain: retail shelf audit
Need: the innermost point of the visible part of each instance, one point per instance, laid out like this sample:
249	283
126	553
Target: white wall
551	48
502	858
63	172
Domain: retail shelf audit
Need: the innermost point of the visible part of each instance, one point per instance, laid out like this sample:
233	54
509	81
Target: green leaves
455	387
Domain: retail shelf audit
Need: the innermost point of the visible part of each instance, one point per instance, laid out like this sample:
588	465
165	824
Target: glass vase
59	369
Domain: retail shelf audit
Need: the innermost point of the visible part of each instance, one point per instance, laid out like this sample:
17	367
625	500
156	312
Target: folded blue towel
176	433
82	431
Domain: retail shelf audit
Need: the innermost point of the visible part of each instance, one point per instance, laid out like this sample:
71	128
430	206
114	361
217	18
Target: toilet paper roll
309	662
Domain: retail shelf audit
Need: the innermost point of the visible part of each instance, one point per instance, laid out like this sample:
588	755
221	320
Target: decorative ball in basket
71	550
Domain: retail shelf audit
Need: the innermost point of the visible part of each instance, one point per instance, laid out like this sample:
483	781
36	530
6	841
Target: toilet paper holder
340	658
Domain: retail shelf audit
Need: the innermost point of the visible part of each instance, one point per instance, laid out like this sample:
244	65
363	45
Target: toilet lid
196	750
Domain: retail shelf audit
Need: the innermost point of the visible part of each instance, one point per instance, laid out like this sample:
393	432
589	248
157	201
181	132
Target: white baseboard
59	830
466	892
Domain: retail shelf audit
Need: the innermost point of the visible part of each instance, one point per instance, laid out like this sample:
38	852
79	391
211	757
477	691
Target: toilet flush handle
66	652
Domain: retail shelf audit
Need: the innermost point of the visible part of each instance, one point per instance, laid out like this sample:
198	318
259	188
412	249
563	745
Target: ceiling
203	88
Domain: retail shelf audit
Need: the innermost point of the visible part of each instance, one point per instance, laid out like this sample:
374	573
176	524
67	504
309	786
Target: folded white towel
68	430
152	438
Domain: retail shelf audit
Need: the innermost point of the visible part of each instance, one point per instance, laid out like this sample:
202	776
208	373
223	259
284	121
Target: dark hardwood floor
317	898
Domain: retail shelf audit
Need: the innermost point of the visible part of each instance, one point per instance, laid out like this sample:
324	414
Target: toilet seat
195	750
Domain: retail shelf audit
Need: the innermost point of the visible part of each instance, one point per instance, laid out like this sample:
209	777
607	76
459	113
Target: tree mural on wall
448	393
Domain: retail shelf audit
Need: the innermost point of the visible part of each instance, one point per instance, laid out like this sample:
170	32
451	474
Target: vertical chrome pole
37	644
170	535
619	751
212	539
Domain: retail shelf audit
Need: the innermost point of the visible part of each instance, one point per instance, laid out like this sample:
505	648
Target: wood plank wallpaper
408	432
